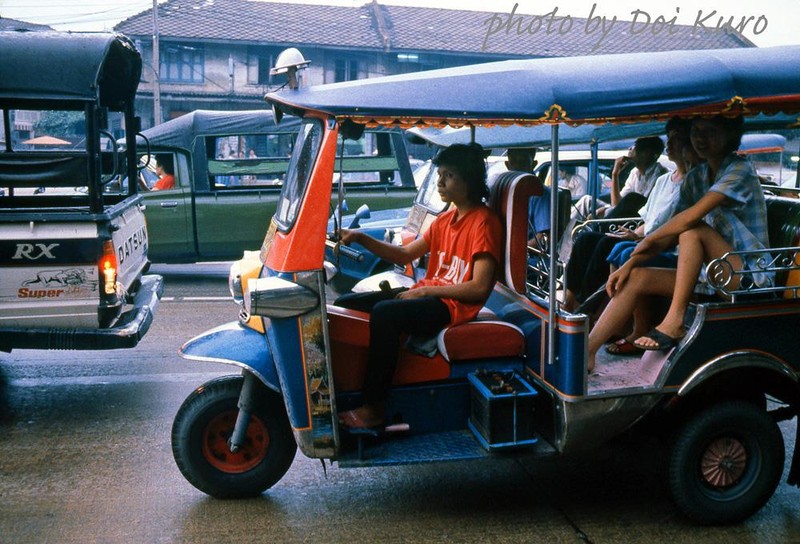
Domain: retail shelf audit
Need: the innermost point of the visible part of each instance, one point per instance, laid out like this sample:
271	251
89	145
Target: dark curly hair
468	160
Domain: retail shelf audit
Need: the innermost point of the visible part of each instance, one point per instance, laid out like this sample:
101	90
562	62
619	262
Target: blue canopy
576	90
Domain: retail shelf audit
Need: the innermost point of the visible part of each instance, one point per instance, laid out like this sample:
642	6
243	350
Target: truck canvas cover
76	63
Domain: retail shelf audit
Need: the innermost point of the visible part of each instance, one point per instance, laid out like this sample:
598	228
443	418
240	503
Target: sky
769	22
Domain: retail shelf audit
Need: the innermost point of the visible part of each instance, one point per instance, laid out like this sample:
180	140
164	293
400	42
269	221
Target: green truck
228	169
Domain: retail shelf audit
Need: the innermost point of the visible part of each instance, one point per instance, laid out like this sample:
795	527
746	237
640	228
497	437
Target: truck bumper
129	329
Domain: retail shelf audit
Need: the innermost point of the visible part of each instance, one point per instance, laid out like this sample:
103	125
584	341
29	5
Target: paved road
85	457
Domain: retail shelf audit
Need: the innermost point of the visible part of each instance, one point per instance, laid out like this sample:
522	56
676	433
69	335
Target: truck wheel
726	463
200	435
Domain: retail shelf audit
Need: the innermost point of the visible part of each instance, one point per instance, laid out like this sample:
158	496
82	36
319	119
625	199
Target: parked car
229	167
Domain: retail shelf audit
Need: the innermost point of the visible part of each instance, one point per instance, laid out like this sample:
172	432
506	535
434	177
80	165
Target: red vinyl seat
486	336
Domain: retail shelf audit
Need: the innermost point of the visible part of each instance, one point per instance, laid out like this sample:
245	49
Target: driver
465	245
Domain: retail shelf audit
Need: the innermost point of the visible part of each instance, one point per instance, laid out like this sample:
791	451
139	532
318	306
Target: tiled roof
473	31
14	24
376	26
254	21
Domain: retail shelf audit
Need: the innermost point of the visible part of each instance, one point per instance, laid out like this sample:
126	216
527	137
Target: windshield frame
304	158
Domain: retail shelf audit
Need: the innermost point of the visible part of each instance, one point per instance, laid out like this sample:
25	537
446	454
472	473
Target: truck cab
73	238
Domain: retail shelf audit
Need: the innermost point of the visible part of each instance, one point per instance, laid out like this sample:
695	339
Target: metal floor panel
409	449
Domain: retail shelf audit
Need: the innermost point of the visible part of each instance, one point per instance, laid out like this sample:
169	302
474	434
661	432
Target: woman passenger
724	210
464	243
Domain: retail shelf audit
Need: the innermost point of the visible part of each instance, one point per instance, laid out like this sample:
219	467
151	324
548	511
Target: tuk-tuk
514	381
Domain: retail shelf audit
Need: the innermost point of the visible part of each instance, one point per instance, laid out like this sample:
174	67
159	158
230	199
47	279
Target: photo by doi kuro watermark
641	22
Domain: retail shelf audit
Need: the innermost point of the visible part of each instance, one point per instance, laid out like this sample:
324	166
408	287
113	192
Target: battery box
501	414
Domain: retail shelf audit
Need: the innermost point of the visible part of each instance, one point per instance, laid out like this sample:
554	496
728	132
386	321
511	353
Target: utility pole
156	68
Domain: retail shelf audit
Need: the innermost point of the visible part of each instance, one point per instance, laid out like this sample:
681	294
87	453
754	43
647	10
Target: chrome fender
734	360
234	344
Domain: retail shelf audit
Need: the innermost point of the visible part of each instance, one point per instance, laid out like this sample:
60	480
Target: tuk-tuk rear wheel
200	436
726	463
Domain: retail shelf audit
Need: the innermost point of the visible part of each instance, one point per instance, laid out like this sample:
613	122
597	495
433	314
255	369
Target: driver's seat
509	197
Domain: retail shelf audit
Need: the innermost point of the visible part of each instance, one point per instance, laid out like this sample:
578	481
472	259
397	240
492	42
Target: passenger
587	269
644	314
568	178
166	177
523	159
626	201
724	210
465	246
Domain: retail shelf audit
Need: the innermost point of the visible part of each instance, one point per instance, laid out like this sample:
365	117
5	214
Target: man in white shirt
627	201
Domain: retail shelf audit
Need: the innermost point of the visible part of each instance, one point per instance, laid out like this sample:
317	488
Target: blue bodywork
235	344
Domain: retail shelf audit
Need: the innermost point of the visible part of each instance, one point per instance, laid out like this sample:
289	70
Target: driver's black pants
390	318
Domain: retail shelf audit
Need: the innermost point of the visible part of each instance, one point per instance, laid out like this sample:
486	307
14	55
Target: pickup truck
73	238
228	169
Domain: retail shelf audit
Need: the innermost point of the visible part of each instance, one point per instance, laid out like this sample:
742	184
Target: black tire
202	427
726	463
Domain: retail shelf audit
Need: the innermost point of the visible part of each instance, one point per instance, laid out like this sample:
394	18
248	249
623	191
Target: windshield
45	155
428	195
300	166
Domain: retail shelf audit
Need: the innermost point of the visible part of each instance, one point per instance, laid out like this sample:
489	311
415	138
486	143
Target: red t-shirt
453	248
167	181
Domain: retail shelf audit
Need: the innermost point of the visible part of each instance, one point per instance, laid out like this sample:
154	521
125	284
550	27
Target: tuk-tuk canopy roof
576	90
182	131
67	70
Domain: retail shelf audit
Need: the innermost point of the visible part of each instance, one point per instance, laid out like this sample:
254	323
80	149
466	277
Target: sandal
663	341
623	347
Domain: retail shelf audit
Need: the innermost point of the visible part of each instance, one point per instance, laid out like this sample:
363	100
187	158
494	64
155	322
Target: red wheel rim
219	455
723	462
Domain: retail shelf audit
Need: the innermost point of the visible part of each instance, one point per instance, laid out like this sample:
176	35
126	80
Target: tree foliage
60	123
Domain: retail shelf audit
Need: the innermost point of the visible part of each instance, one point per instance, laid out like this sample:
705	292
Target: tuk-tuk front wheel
726	463
200	434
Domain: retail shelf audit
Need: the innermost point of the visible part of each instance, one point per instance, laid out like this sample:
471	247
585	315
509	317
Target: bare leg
642	318
642	281
698	245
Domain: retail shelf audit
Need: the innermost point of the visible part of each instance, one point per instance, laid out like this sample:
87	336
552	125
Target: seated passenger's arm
667	234
476	290
388	252
619	165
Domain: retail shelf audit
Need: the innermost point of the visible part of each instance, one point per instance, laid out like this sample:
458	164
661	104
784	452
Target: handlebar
345	251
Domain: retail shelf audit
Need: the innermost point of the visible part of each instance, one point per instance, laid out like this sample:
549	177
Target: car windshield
428	195
305	151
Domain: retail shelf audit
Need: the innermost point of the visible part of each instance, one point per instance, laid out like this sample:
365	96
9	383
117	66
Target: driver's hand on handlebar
347	236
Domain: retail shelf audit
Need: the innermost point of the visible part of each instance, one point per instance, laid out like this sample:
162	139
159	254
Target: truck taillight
108	268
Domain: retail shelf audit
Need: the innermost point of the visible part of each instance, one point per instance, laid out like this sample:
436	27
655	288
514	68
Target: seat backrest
509	197
783	222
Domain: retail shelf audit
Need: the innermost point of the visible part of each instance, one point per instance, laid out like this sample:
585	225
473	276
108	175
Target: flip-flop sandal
623	347
663	341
